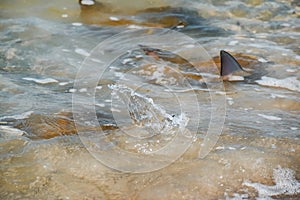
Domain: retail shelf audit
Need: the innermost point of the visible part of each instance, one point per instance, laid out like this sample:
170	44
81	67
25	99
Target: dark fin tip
228	64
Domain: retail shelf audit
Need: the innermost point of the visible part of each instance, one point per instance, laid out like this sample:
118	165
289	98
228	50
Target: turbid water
147	98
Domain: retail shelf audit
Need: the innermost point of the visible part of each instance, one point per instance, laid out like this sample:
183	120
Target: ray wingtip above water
228	64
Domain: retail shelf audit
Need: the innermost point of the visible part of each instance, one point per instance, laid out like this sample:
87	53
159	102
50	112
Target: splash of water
145	113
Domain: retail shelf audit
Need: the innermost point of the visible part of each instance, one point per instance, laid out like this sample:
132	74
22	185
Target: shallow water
164	100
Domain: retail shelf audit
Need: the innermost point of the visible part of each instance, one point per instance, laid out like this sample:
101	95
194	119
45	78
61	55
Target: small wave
290	83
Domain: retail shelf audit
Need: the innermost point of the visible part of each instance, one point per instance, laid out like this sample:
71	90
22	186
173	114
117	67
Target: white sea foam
115	110
285	184
41	81
236	78
114	18
270	117
102	105
83	90
19	116
72	90
87	2
8	131
220	148
237	196
278	96
230	101
126	61
262	60
64	83
291	83
135	27
233	43
187	90
82	52
77	24
291	70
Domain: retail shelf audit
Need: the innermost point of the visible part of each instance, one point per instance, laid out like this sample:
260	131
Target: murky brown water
42	48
